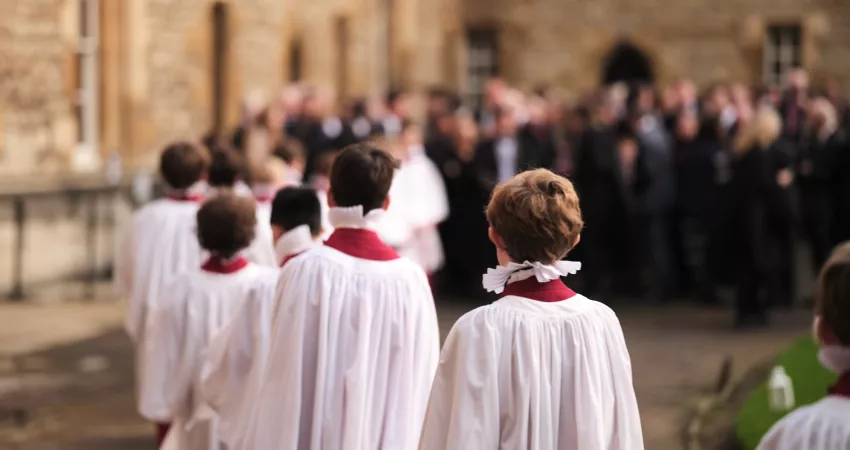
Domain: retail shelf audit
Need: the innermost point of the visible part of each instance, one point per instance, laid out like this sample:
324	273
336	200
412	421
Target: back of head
227	167
183	164
226	224
296	206
833	294
362	175
537	215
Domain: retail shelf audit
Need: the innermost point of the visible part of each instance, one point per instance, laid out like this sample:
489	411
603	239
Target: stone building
81	80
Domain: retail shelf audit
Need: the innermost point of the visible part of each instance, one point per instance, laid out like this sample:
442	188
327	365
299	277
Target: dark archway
626	63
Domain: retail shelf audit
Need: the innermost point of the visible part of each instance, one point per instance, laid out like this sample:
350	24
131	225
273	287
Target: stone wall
566	43
36	125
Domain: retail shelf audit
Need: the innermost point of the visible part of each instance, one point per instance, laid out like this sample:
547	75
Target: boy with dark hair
197	305
356	316
238	354
160	242
226	174
824	425
541	345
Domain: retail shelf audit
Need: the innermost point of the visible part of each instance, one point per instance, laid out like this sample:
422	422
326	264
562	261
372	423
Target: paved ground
66	374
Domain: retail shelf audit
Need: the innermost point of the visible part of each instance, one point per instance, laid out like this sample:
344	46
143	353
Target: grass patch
811	381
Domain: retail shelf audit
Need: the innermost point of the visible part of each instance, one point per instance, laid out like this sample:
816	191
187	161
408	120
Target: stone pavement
66	370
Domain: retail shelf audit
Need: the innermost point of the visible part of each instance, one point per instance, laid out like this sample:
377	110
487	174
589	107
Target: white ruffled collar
497	278
352	217
294	241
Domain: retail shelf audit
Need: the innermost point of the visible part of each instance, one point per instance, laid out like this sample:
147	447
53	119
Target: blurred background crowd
683	192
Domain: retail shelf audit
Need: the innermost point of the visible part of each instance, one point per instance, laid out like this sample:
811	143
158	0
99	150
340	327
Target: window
482	62
86	100
783	50
295	60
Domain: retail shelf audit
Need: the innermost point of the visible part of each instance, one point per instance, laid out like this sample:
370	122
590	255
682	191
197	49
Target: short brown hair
833	293
361	175
226	224
537	215
183	164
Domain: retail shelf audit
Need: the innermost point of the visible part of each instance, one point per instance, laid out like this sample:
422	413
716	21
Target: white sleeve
122	280
163	378
463	411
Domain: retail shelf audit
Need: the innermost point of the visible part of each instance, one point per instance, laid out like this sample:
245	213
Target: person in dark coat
509	152
758	191
464	233
817	176
699	149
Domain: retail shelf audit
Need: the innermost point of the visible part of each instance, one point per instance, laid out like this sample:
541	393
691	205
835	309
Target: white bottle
780	390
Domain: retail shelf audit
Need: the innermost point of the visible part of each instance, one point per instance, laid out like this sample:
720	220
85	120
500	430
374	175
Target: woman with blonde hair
761	218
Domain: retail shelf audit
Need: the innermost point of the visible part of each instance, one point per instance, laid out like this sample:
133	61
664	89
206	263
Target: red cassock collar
842	387
217	264
263	198
361	243
186	197
550	291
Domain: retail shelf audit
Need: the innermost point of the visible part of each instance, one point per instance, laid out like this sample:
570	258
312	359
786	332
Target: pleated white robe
525	374
196	307
824	425
158	245
238	353
354	347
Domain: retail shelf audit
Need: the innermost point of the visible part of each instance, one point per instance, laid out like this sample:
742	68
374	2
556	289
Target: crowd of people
676	201
281	294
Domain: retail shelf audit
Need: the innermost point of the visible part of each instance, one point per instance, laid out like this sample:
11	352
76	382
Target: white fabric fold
496	278
353	217
294	241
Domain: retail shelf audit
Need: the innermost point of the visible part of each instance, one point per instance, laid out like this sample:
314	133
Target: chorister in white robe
353	349
238	353
159	244
541	368
195	308
261	250
824	425
418	203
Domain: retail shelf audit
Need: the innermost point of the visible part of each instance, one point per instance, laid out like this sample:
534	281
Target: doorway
628	64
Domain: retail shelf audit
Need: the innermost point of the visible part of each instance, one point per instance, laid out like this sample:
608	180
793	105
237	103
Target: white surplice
418	203
526	374
159	244
238	353
354	346
195	308
824	425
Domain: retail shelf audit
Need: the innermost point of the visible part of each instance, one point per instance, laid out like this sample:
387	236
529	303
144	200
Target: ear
331	201
823	333
386	203
495	238
578	239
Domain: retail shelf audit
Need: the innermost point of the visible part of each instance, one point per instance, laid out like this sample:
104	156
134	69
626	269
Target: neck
220	264
842	387
549	292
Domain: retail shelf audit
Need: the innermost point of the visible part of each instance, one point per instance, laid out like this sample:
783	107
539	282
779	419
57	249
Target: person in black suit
817	174
509	152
